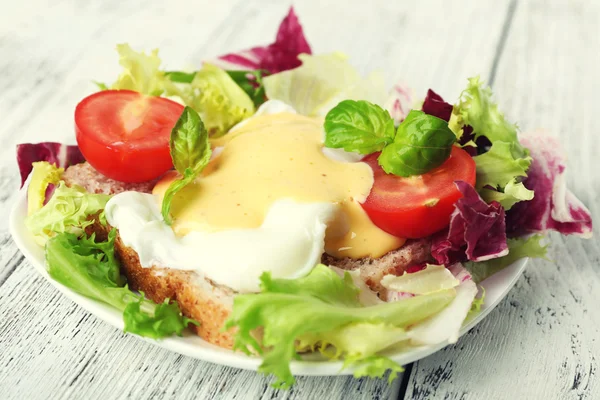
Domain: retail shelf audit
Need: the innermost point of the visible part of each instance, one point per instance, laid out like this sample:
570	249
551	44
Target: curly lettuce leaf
67	211
279	56
320	302
500	169
220	101
513	193
498	172
517	248
57	154
477	109
321	82
141	72
376	366
91	269
44	179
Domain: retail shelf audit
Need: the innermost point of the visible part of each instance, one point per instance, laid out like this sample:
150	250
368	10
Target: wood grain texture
542	341
49	53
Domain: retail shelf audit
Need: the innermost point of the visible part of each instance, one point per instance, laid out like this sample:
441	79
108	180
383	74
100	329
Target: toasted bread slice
199	298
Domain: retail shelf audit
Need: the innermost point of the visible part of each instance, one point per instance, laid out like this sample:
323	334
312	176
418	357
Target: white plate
496	288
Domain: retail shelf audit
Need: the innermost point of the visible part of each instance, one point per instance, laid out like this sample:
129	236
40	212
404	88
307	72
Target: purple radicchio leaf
59	154
276	57
553	207
477	230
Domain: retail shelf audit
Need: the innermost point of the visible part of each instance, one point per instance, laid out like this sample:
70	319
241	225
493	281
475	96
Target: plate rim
193	346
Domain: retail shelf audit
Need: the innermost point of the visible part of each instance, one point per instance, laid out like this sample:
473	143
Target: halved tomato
417	206
125	135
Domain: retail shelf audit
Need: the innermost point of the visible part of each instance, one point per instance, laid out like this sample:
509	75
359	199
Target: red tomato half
125	135
417	206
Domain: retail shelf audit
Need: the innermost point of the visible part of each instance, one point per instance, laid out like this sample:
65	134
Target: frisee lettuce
141	72
502	168
67	211
91	269
43	175
308	307
210	91
216	97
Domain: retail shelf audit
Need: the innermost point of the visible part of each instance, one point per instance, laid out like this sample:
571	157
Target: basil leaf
358	126
423	142
180	77
190	152
251	83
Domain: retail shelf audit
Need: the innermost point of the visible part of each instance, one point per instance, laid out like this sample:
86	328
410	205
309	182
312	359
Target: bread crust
198	298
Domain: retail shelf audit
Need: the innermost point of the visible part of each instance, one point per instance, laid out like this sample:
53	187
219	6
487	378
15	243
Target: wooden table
542	59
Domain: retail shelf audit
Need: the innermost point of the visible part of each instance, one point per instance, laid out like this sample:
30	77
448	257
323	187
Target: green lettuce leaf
289	310
512	194
477	109
358	126
376	366
91	269
499	169
507	161
217	98
423	142
190	151
253	87
67	211
431	279
42	175
141	71
517	248
321	82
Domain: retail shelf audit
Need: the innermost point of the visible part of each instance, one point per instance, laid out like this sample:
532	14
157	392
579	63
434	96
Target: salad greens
517	248
210	91
91	269
507	161
421	143
320	310
141	72
43	177
190	151
321	82
251	82
67	211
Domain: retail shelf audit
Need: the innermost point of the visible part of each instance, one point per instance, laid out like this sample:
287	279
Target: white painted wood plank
542	340
49	54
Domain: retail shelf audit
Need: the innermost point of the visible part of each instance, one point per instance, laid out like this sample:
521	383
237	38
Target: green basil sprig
359	126
421	143
190	152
